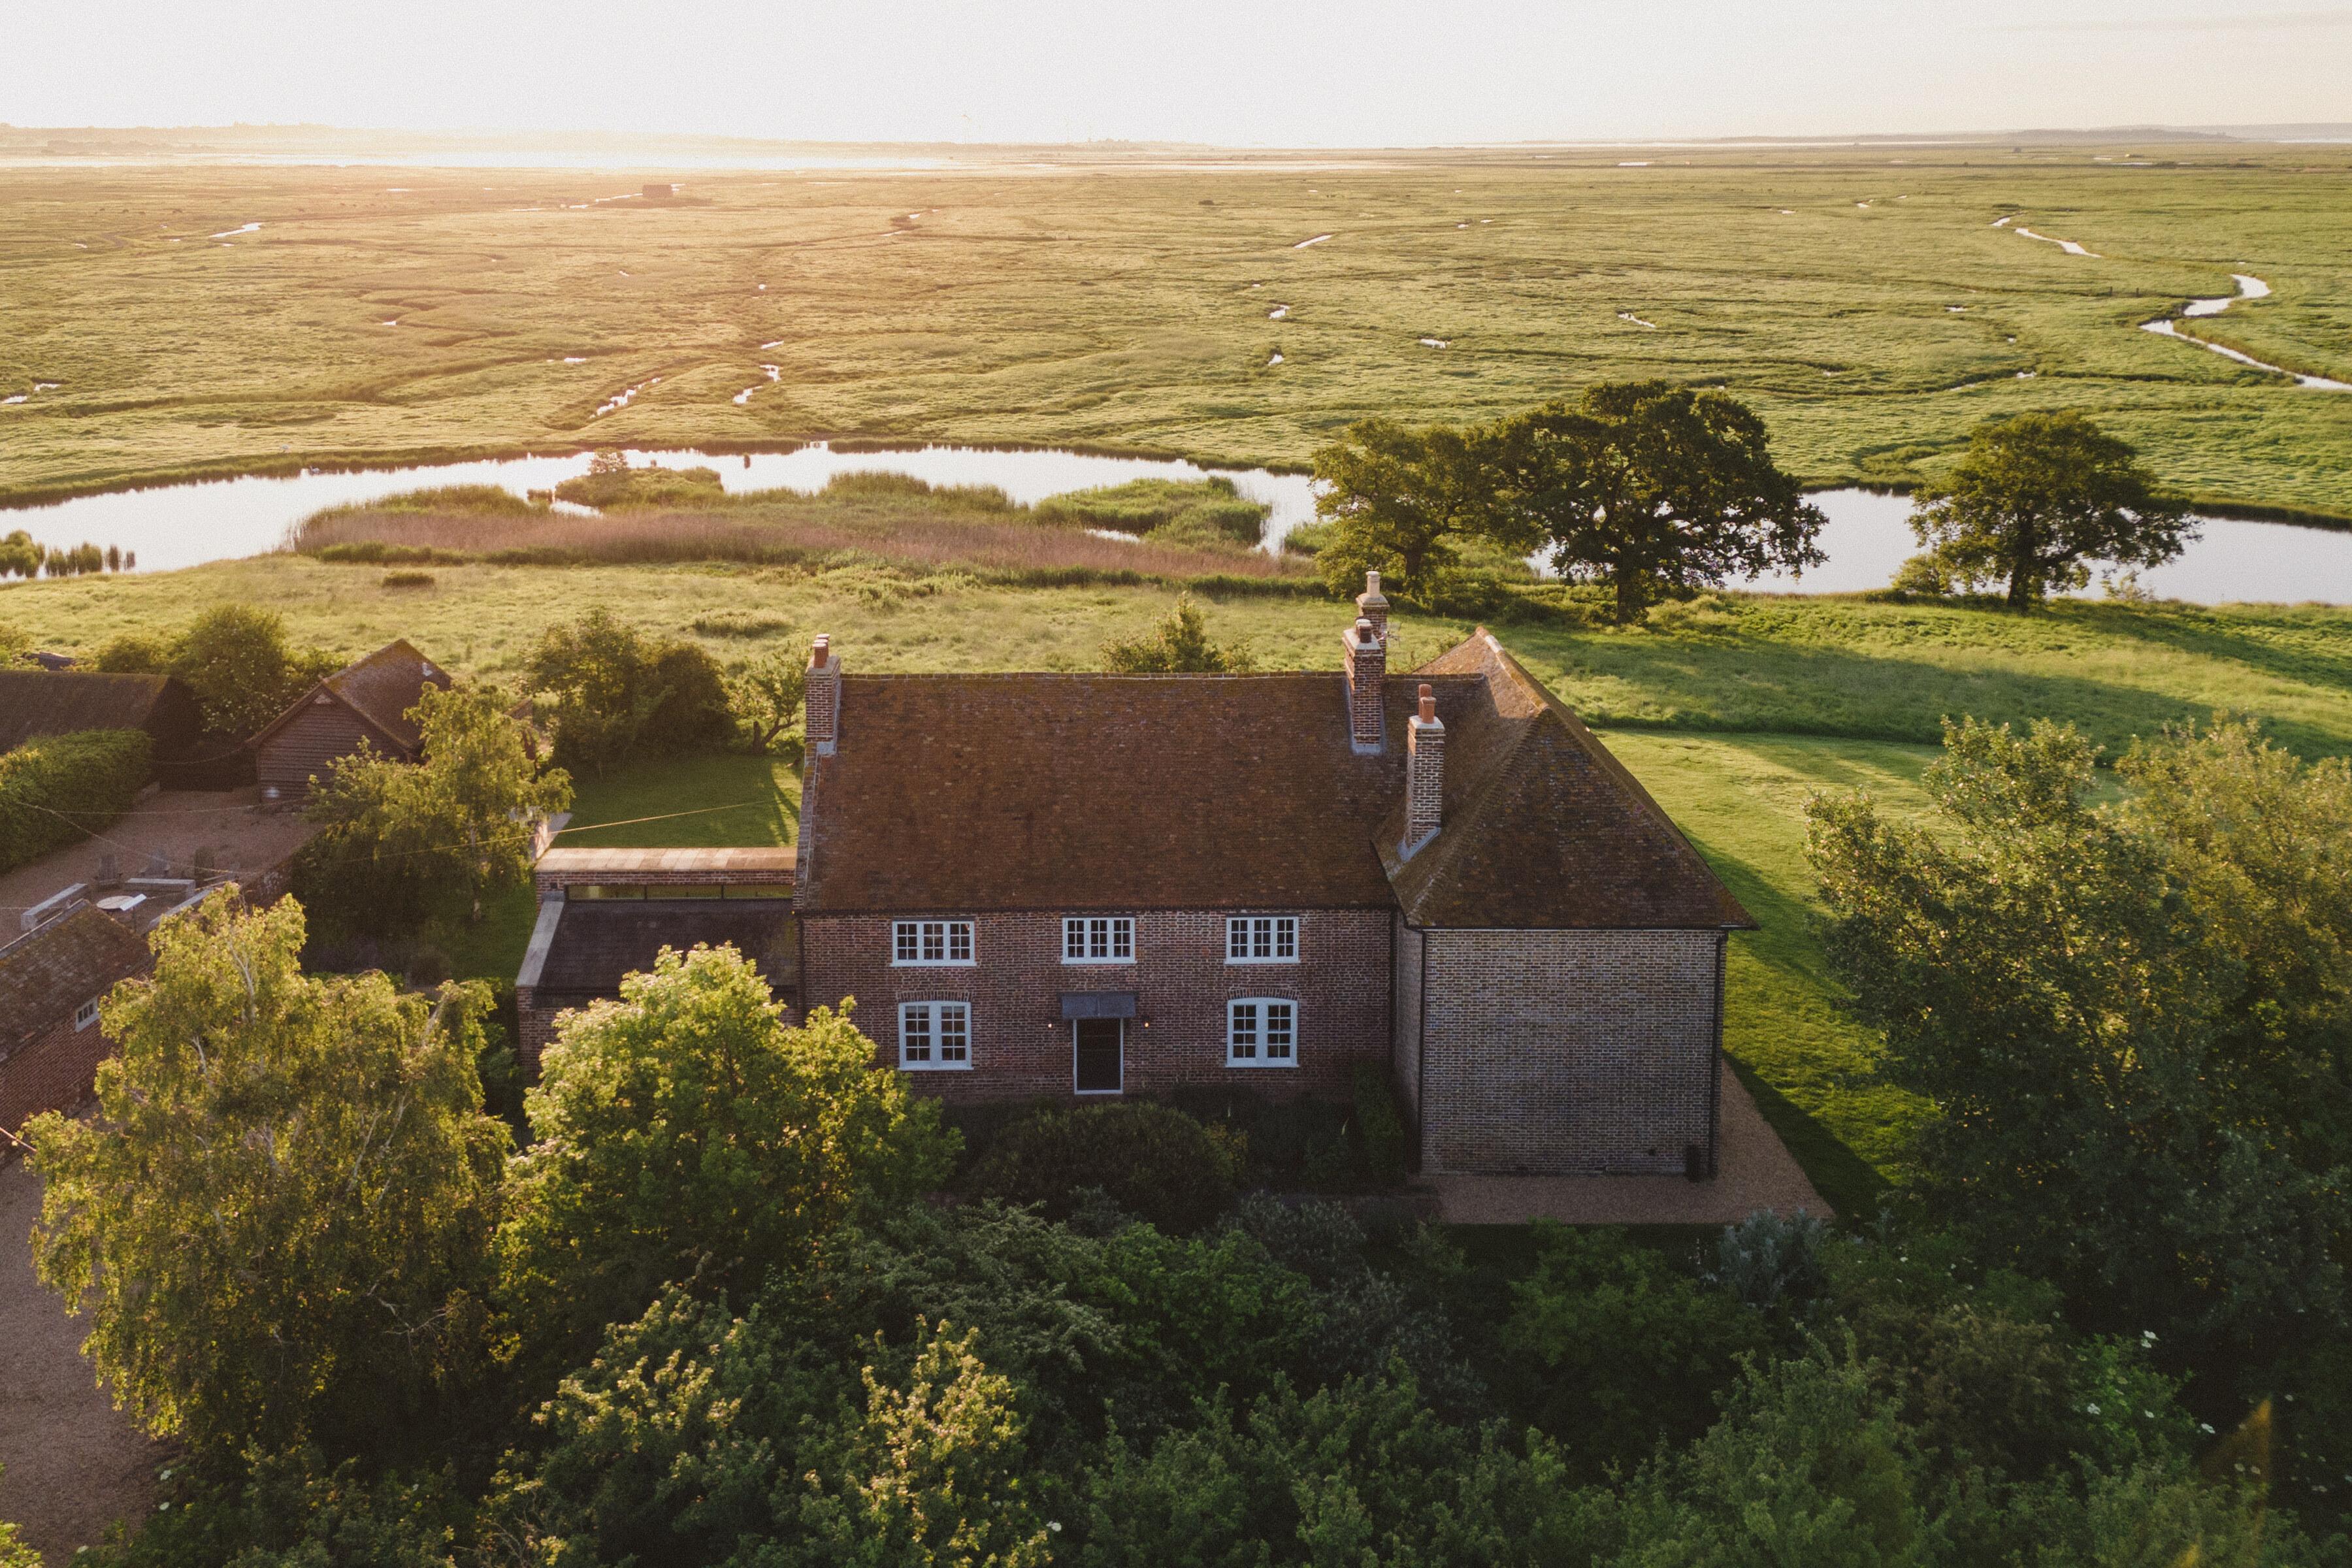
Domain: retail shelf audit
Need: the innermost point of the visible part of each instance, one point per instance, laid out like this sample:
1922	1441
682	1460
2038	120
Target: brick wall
1409	942
55	1070
1559	1051
1020	1047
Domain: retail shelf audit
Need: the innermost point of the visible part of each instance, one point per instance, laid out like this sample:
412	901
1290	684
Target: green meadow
1732	709
1863	299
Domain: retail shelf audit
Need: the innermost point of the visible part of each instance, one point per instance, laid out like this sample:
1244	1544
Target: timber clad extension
366	703
1074	886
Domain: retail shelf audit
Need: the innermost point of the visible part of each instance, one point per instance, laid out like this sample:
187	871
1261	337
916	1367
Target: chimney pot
1372	606
1428	704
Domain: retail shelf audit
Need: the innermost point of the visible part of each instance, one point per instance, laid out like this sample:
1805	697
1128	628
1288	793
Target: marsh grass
1135	329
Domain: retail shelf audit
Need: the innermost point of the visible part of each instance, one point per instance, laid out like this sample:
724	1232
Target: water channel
1866	537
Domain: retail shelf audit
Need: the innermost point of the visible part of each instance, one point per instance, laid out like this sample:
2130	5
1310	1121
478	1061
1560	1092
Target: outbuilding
366	701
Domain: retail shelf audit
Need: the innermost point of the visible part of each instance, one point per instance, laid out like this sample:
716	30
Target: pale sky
1238	72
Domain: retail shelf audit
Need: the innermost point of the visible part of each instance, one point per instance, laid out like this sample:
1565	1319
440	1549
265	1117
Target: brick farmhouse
51	1039
1087	886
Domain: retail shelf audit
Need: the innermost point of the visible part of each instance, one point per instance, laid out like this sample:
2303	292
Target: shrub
134	653
614	689
1379	1131
407	580
56	789
1180	643
735	624
1154	1161
692	714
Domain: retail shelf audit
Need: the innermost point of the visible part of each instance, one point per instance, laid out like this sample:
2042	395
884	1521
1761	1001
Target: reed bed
1011	549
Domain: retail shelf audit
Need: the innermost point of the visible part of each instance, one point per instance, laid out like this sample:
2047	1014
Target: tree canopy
399	841
1396	497
2132	1024
684	1132
2037	498
280	1221
1656	491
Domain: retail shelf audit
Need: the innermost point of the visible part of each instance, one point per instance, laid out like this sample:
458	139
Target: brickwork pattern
1366	661
1424	777
821	699
1558	1052
1407	990
1021	1048
55	1070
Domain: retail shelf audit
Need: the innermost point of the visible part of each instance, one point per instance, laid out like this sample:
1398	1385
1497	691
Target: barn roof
58	702
381	689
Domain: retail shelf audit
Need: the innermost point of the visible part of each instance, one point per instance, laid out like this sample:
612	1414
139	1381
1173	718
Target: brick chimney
1424	777
823	698
1368	662
1373	607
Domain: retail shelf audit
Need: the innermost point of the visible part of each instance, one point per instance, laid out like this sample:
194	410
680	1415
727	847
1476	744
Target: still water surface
1866	537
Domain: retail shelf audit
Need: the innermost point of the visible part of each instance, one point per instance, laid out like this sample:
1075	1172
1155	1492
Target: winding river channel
1866	537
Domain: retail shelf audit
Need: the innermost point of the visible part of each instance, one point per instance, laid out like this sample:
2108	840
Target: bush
1179	645
56	789
407	580
1379	1131
237	661
1155	1162
614	689
628	487
692	714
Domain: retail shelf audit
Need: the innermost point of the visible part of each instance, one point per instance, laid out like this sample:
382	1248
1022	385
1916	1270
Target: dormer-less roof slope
381	689
1067	792
53	971
1543	827
56	702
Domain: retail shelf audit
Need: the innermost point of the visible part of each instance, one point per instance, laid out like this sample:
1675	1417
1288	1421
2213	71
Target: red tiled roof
991	791
1543	827
48	973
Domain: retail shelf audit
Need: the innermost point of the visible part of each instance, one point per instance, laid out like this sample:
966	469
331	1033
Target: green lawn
658	801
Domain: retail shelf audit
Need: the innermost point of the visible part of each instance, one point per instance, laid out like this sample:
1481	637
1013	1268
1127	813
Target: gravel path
69	1463
1757	1171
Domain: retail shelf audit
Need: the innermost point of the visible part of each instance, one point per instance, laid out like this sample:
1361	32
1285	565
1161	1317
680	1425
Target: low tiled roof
978	791
382	687
56	702
49	972
1543	827
597	941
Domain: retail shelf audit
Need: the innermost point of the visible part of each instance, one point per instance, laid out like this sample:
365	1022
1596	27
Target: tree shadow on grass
1729	681
1847	1183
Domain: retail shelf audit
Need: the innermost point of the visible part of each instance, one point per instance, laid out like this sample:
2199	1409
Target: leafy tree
614	690
1654	490
765	698
1361	1473
399	841
134	653
2131	1023
683	1132
14	641
280	1221
2036	498
1179	645
237	659
1620	1350
1395	497
15	1553
18	554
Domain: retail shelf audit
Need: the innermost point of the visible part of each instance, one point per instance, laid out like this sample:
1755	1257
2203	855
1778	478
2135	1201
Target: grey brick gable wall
1559	1052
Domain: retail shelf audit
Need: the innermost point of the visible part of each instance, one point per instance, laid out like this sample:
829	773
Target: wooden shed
368	701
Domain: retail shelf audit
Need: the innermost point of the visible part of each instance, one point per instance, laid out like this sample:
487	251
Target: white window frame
1098	939
931	1027
913	944
1256	1036
1243	934
85	1015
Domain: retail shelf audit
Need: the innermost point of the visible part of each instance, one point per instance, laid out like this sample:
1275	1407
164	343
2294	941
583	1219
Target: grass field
1863	299
1732	709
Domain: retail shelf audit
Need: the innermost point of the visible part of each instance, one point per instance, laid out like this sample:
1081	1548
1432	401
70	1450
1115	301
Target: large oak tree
2039	497
1654	490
